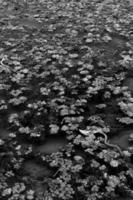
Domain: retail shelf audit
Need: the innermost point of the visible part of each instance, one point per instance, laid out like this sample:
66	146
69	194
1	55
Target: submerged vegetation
66	100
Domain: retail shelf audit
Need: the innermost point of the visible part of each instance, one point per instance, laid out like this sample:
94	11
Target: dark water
4	133
129	83
35	170
51	145
122	139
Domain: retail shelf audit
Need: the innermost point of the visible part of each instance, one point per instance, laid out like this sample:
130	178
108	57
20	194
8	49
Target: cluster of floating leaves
55	79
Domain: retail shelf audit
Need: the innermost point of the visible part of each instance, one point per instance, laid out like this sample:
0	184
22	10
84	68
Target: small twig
56	172
115	52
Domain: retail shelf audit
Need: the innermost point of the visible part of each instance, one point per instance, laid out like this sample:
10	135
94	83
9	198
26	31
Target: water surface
121	139
52	144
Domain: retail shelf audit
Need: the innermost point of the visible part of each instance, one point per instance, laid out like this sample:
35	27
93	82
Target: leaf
114	163
54	129
89	40
64	128
84	132
125	120
106	38
64	112
74	55
127	108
